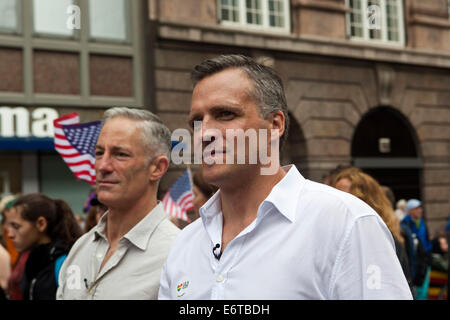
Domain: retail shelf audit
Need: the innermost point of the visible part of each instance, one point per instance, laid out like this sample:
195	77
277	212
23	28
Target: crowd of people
340	239
415	249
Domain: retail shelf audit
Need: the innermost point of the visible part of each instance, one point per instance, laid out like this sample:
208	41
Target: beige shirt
132	272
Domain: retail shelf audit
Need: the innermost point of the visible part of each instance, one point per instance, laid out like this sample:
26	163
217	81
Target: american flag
179	199
75	142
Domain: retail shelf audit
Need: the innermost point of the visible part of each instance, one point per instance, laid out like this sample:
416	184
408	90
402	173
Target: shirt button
99	256
220	278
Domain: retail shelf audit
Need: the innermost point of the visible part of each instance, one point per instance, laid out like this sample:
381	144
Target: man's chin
105	198
213	173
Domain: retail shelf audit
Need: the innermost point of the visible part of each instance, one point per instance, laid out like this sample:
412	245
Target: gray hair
156	135
268	91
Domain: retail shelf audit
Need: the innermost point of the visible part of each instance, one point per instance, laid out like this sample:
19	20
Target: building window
260	14
376	21
111	26
9	16
49	17
71	52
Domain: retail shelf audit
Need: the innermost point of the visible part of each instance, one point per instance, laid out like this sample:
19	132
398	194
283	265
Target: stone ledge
419	19
322	46
325	6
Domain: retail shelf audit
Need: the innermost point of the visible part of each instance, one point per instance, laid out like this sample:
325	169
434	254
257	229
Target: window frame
242	13
384	30
28	42
18	30
448	5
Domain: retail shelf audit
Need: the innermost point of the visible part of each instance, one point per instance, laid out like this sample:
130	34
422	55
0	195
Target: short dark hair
268	91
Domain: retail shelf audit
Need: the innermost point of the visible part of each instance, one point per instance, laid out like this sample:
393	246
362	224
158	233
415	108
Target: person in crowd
329	177
5	206
400	209
202	192
18	260
47	228
122	256
417	229
389	195
268	233
5	269
439	253
96	211
366	188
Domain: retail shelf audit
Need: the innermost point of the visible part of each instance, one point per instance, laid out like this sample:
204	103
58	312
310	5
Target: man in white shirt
277	235
122	256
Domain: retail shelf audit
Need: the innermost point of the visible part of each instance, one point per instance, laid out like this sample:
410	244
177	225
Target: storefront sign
18	122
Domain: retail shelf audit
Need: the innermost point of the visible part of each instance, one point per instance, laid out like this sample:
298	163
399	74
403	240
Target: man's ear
158	167
41	224
277	121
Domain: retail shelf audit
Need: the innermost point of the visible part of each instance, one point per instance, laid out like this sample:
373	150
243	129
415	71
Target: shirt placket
224	265
100	254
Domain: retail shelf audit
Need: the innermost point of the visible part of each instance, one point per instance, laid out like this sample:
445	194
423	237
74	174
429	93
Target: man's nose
104	164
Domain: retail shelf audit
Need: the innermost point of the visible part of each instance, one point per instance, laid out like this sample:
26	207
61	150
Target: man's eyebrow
218	109
114	149
193	117
214	110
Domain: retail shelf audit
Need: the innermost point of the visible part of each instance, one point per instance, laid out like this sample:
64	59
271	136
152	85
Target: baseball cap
412	204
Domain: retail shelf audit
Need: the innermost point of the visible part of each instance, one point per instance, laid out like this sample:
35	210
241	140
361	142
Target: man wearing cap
414	224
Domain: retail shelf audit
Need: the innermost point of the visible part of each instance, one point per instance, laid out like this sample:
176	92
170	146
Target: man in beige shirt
122	257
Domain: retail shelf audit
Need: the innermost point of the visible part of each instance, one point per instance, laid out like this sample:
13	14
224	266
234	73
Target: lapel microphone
217	256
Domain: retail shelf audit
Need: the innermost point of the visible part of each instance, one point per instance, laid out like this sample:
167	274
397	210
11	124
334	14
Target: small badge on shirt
182	287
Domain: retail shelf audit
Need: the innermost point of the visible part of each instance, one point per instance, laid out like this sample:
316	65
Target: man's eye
226	114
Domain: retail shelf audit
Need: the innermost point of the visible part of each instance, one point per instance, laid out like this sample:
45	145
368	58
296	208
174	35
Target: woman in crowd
48	229
366	188
95	212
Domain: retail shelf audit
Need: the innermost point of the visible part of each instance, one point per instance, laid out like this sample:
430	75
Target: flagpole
188	168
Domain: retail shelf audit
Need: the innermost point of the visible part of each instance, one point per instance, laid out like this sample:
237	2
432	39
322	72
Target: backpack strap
58	264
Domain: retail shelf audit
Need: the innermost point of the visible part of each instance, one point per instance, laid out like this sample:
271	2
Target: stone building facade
378	98
347	97
49	69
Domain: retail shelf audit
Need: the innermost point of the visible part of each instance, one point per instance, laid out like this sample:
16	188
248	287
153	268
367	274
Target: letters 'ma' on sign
15	122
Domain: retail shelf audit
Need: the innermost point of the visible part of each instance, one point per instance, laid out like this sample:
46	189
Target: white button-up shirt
308	241
132	272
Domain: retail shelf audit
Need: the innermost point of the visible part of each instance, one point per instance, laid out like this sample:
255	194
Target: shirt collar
140	234
284	196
